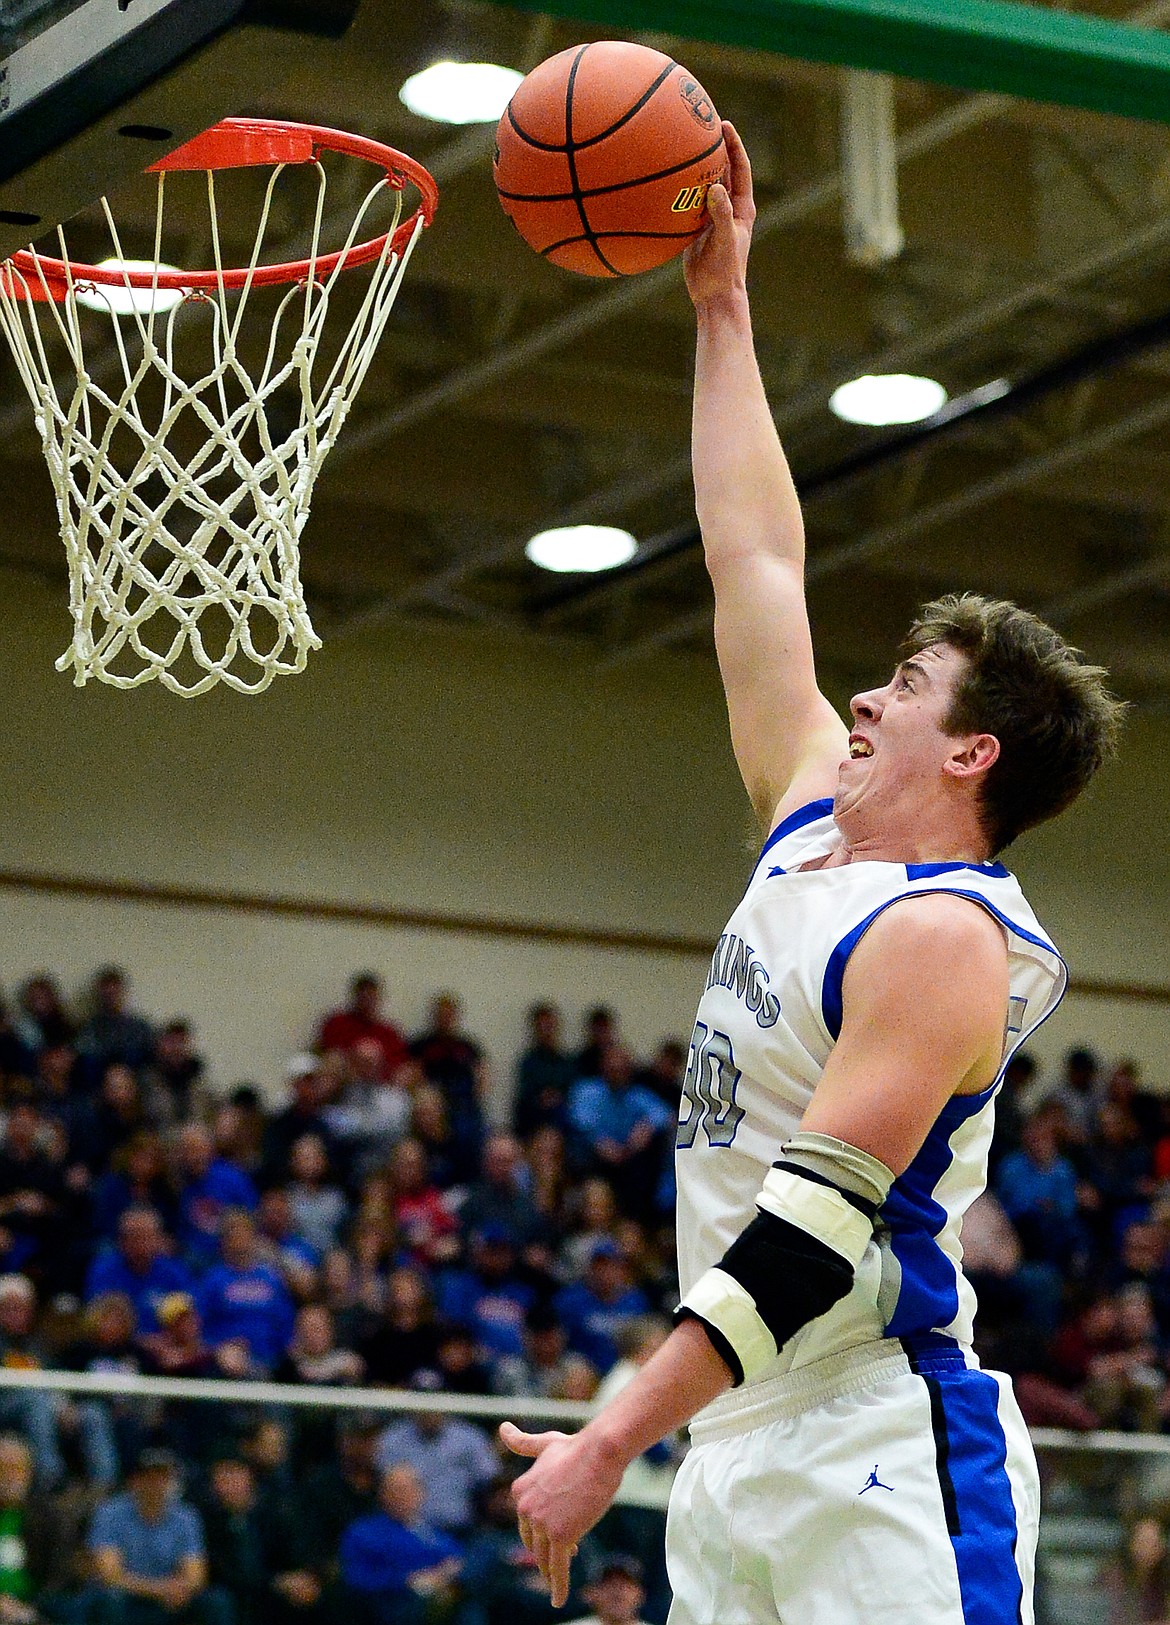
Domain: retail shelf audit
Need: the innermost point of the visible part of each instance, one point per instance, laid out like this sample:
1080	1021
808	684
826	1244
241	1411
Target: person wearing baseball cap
615	1592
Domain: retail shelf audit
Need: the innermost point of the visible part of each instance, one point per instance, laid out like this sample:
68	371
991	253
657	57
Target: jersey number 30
708	1093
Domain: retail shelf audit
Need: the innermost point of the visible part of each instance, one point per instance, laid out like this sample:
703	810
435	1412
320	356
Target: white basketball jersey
767	1021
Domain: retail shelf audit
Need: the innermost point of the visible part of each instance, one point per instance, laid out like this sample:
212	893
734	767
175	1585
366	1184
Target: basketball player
851	1464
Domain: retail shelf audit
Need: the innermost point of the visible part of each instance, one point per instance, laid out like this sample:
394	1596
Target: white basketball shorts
891	1485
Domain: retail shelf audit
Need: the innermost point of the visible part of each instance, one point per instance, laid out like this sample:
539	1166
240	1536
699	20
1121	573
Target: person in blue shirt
616	1129
140	1267
146	1547
209	1186
391	1562
1038	1188
488	1299
594	1310
246	1308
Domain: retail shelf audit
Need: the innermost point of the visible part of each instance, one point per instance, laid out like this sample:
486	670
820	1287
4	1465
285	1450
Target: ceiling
508	395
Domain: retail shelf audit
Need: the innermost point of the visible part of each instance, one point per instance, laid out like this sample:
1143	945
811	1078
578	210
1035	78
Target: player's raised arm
788	740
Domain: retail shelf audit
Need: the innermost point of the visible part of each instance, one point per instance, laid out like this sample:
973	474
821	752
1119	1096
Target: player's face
898	746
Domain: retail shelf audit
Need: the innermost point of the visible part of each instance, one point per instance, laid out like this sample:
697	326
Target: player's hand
716	263
562	1495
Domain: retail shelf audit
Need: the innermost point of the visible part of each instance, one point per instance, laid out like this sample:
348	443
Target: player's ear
972	755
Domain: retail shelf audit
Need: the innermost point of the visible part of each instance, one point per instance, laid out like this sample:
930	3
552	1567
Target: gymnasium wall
454	775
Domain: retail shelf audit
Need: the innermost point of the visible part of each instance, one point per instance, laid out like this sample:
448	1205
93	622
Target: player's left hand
571	1483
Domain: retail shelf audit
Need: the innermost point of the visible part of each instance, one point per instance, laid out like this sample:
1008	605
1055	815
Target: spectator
339	1490
37	1541
32	1411
1010	1108
1079	1093
140	1267
459	1362
135	1178
543	1074
174	1073
600	1031
1119	1167
548	1174
117	1115
489	1299
313	1354
593	1217
616	1594
43	1021
455	1064
114	1035
543	1367
1123	1087
16	1058
246	1309
618	1129
208	1188
430	1125
499	1571
304	1114
362	1022
452	1457
1038	1188
178	1348
422	1218
594	1309
664	1075
373	1112
499	1200
32	1191
318	1205
238	1129
110	1432
252	1550
280	1245
148	1554
406	1338
395	1564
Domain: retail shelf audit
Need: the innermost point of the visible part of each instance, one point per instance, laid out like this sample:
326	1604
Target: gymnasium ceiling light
460	92
125	301
582	548
880	400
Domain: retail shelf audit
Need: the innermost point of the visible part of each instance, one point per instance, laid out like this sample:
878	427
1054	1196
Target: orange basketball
604	156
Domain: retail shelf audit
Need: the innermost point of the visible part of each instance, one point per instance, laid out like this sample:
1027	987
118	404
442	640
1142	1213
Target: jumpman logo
875	1483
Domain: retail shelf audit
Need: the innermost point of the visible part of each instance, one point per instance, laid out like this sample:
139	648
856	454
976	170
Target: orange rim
236	143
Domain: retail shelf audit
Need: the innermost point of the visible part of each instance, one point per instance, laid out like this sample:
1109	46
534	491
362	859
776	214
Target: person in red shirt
362	1019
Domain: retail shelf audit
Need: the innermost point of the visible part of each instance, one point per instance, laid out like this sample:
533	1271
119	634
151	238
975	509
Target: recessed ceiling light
123	300
894	397
581	547
460	92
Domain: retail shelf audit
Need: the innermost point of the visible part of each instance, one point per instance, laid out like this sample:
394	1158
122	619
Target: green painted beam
1017	50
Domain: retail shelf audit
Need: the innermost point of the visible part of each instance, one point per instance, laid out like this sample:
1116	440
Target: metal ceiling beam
885	538
1042	55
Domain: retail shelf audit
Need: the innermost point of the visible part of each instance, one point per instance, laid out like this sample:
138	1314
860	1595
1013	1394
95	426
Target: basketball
604	156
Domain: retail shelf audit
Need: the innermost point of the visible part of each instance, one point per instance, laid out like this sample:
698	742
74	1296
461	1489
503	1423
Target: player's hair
1054	718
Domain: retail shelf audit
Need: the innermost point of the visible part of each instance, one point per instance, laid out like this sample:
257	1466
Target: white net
182	499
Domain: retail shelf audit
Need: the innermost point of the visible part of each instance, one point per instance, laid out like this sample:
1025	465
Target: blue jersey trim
976	1494
808	814
929	1293
831	996
927	871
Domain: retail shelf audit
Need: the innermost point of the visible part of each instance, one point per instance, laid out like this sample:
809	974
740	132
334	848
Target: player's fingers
540	1550
521	1443
739	171
525	1531
559	1559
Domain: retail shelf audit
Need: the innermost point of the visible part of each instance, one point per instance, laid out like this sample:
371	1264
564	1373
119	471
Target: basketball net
158	534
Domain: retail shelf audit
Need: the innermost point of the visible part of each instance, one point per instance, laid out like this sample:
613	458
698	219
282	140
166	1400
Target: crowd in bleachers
383	1225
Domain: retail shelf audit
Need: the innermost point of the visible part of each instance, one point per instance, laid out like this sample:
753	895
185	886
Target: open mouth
859	748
